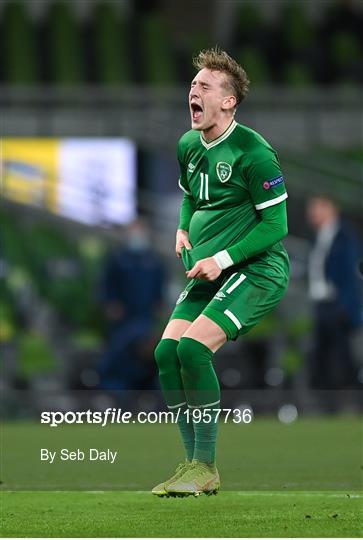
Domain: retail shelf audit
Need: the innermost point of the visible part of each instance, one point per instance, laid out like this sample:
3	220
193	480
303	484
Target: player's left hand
206	269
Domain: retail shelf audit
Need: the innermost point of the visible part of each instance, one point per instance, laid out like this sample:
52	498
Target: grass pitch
139	514
278	480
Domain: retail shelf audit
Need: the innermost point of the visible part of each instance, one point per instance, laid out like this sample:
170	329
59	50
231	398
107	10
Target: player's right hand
182	240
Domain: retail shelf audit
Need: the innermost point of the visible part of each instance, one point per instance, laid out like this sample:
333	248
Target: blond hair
216	59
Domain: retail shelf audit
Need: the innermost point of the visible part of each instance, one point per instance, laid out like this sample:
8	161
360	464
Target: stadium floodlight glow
274	376
231	377
287	413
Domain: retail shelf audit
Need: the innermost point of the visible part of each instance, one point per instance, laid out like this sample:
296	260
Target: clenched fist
205	269
182	240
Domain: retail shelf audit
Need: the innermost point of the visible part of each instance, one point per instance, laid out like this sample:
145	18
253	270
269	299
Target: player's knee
165	354
189	355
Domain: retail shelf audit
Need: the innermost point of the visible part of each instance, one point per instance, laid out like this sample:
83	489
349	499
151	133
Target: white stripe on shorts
233	318
236	283
229	279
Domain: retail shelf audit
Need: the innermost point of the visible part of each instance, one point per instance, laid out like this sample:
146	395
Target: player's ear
229	102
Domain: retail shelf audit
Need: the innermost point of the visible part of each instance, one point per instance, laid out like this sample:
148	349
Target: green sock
202	393
186	429
205	436
172	385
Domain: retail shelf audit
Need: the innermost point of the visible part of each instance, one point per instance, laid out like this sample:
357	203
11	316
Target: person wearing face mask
131	286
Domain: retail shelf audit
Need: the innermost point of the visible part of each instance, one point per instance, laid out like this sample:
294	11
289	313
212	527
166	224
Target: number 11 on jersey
204	186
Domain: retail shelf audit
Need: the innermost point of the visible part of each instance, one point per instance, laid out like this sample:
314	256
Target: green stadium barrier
47	243
266	329
64	272
345	49
293	357
8	326
159	64
250	22
253	62
110	45
59	274
13	244
19	45
296	29
346	54
35	356
198	41
66	62
297	75
85	340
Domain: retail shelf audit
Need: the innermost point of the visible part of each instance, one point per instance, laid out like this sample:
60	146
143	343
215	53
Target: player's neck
217	130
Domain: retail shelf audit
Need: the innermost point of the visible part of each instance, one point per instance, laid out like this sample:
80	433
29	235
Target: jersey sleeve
183	180
187	210
265	180
271	229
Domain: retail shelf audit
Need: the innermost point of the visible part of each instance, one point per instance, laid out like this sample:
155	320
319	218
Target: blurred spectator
131	291
335	290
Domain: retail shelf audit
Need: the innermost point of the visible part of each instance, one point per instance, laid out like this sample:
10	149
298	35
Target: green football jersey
229	179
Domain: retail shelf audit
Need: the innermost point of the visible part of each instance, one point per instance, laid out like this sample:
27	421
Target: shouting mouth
196	111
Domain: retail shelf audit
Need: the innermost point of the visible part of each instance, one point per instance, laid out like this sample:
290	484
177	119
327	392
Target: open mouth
197	111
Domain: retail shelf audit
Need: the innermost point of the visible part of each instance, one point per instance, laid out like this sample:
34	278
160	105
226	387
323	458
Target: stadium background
73	73
110	70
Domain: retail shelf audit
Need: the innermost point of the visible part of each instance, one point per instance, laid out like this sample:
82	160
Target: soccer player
232	221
